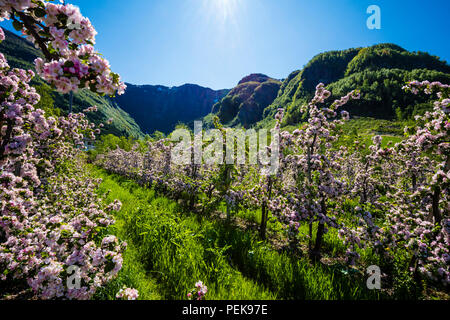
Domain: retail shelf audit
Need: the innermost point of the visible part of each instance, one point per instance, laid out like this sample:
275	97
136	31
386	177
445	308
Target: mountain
142	108
162	108
245	103
378	71
21	54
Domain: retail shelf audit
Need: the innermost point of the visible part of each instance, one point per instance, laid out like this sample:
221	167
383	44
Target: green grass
371	126
169	250
133	273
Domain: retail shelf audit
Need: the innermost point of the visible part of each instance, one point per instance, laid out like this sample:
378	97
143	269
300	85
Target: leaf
17	25
39	12
344	271
69	64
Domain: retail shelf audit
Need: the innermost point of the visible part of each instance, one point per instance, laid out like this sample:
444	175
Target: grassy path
169	250
133	273
166	251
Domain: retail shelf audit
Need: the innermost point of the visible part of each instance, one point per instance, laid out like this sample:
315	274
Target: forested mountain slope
379	72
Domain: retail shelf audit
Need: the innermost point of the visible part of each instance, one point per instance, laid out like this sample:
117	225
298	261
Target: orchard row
401	190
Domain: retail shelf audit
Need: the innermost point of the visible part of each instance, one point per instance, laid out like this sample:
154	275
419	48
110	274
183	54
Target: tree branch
29	23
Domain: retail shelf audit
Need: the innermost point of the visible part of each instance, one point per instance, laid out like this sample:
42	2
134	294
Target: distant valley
160	108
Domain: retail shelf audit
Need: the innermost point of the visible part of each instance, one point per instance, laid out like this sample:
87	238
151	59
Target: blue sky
215	43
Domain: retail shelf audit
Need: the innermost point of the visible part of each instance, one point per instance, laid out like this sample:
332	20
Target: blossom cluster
127	294
50	216
66	39
199	292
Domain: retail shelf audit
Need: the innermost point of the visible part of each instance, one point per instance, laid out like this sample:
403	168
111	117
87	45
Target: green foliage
110	142
405	286
47	103
157	135
381	94
391	56
299	87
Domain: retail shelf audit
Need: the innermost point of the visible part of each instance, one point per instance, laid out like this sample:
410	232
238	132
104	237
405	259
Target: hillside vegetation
379	72
245	103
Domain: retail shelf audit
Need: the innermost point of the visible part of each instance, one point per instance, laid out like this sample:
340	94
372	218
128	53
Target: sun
222	9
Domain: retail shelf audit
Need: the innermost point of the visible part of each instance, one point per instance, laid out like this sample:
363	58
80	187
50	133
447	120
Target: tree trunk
192	202
227	181
265	212
364	199
18	168
310	236
436	197
315	254
262	229
435	206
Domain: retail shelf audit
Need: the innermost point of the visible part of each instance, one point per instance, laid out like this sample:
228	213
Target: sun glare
222	9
